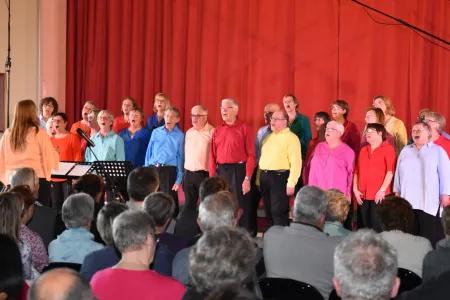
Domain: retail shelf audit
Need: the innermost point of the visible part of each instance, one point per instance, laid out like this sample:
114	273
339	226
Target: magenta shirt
332	168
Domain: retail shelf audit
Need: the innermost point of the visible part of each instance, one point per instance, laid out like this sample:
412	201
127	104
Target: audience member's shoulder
274	230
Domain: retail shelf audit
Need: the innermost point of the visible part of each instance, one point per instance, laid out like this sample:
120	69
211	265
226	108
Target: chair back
408	280
55	265
287	289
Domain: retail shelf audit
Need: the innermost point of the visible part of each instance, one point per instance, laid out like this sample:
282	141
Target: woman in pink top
332	161
27	145
131	278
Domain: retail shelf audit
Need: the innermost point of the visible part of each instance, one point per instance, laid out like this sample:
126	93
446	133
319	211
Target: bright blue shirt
152	122
72	245
109	147
167	148
136	145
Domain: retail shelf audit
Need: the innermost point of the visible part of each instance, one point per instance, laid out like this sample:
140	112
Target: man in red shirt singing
232	157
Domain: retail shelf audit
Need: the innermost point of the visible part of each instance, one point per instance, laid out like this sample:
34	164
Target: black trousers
234	175
369	216
44	194
60	190
428	226
273	191
191	185
167	178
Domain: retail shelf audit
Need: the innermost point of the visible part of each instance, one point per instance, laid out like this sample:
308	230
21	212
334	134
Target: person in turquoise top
298	123
337	211
108	145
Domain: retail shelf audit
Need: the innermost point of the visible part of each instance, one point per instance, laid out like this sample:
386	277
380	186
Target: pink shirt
38	154
332	168
113	283
197	145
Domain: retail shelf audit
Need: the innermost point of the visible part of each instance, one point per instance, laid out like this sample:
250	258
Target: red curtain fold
200	51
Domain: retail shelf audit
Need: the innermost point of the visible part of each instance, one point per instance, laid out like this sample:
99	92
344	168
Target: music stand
71	170
115	174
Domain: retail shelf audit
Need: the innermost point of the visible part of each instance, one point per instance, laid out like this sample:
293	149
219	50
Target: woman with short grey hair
76	241
130	278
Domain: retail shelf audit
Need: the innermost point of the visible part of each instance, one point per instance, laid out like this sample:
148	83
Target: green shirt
300	126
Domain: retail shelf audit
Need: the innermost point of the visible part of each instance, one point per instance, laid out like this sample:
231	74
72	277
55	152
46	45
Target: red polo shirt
372	167
232	144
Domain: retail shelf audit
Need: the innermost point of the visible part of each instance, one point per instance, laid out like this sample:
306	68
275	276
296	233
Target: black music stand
72	170
115	174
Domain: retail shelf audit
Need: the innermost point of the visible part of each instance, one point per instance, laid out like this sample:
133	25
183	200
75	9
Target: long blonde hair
25	117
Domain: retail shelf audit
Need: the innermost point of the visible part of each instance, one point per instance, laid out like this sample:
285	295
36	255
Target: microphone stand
8	64
116	193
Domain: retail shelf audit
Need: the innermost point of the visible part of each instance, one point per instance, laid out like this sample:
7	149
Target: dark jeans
273	191
191	185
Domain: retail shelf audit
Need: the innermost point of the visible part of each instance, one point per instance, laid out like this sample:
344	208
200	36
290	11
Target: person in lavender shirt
332	162
423	178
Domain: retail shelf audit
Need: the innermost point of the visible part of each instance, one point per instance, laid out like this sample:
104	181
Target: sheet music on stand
71	169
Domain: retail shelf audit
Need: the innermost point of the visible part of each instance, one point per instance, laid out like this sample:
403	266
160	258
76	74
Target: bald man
196	148
61	284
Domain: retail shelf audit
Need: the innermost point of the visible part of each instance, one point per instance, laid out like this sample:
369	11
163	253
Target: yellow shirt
397	129
282	151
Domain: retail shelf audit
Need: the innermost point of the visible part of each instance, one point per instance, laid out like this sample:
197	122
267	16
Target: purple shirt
39	256
422	176
332	168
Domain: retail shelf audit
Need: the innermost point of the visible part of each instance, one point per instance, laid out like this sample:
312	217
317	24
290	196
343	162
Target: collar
207	127
236	123
110	133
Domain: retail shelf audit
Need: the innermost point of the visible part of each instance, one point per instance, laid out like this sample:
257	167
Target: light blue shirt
422	176
167	148
262	133
108	148
72	246
335	228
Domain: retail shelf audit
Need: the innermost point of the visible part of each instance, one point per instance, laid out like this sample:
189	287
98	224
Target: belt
275	171
162	165
232	164
196	172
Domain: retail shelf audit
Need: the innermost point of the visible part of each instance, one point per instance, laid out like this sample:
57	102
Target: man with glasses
197	147
280	166
232	157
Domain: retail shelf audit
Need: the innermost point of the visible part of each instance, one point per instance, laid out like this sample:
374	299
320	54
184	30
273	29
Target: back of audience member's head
224	255
90	184
61	284
78	210
216	210
310	206
232	291
11	272
26	195
395	213
338	206
212	185
365	267
142	182
445	219
25	176
161	207
11	207
131	230
105	219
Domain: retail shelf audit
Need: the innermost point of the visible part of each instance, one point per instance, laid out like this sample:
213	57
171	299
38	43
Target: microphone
85	137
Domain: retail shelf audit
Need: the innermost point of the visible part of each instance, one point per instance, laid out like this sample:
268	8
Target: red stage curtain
200	51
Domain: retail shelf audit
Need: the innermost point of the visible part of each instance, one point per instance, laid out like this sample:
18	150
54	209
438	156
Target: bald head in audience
61	284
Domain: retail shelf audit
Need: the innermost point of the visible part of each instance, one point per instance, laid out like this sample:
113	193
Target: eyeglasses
370	131
277	119
416	130
198	116
330	129
226	107
429	120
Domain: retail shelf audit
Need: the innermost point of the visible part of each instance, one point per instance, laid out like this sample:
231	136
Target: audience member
10	210
141	182
197	147
222	256
108	256
393	125
165	152
365	267
48	107
123	121
351	136
423	179
61	284
337	211
108	145
219	209
160	104
234	291
280	164
232	157
437	261
332	161
372	179
45	220
39	256
302	251
397	216
76	241
135	138
25	144
134	237
11	274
